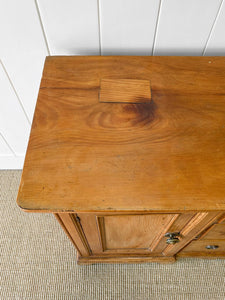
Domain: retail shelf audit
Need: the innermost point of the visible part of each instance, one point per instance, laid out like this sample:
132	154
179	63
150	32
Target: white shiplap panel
71	26
4	148
14	126
22	48
128	27
184	26
216	43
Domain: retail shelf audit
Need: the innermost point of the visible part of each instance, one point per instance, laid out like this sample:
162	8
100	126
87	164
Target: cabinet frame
86	231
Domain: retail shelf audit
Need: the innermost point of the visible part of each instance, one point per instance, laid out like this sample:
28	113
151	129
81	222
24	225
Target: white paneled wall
216	42
4	148
184	26
32	29
128	27
71	26
22	49
14	126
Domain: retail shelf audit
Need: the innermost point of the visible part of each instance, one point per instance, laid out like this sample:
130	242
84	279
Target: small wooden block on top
125	91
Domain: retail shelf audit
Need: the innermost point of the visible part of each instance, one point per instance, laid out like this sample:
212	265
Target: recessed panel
133	231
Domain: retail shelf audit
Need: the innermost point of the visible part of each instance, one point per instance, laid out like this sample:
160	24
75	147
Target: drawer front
211	243
216	232
204	248
223	220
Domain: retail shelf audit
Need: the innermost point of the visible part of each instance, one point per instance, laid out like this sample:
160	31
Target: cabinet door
132	234
141	233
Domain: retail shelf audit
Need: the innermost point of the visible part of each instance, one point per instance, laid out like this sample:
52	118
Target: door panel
106	234
124	233
132	232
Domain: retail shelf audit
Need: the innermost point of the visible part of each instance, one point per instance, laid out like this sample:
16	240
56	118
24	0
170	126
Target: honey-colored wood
222	221
125	91
123	259
198	248
73	230
214	235
128	233
68	234
216	232
120	162
168	154
142	234
89	223
176	226
197	224
155	244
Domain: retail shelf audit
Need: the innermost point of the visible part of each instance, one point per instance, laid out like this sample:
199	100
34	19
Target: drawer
223	221
216	232
204	248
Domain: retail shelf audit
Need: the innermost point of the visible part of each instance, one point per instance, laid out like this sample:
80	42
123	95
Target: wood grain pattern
199	247
57	216
89	223
115	234
130	171
176	226
196	225
125	91
194	222
123	259
217	221
216	232
164	229
133	232
168	154
72	230
222	220
124	238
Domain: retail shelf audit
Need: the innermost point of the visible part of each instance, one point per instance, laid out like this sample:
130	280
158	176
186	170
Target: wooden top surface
164	154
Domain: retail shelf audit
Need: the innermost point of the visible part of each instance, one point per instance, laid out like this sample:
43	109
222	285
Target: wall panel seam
42	26
156	27
10	148
17	96
213	26
99	28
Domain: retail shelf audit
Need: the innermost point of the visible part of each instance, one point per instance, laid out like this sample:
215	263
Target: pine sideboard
128	153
